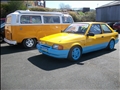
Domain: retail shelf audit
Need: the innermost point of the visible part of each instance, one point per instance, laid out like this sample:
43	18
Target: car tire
111	45
75	53
29	43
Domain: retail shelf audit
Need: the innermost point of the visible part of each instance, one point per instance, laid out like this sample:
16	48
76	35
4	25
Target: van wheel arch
29	42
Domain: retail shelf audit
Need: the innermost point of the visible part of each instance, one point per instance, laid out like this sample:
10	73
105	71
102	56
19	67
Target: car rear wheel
111	45
29	43
75	53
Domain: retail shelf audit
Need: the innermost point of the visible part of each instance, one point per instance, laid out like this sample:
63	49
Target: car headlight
59	47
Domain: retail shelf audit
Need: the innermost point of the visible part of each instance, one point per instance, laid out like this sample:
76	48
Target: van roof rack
36	12
65	12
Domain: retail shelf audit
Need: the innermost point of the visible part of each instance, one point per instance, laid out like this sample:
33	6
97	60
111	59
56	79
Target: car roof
90	22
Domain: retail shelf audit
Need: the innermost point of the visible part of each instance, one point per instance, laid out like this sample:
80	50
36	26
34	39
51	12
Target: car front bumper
52	52
10	41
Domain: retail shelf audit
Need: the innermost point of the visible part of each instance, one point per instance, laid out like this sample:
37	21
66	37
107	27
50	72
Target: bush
76	17
38	9
89	16
45	9
4	10
11	6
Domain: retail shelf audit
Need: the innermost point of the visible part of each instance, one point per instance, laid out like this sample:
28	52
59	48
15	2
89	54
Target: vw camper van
26	27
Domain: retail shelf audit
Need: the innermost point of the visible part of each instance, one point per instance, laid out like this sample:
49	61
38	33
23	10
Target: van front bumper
10	41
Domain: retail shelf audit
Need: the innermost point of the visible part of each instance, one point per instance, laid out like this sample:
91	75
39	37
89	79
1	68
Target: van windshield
77	28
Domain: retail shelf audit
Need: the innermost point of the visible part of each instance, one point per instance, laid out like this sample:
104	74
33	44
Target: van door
51	25
30	27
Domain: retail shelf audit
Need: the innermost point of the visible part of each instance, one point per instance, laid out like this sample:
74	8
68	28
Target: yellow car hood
62	37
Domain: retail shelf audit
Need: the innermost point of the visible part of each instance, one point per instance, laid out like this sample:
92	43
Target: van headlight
56	46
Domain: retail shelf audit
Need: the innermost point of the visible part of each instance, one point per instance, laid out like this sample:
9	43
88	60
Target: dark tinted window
95	28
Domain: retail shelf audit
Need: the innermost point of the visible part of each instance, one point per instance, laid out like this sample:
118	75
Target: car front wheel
75	53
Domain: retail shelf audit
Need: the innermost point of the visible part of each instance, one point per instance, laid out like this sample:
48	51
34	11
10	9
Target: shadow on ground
48	63
7	49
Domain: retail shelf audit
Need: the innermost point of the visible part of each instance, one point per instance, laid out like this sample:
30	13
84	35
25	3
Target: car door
107	33
94	42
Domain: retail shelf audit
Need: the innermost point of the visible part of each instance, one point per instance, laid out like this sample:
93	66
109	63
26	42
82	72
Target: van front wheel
29	43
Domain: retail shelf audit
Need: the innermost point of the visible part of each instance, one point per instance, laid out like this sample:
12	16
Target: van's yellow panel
19	33
64	26
48	29
8	32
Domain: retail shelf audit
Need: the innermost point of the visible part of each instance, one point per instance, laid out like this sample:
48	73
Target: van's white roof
37	12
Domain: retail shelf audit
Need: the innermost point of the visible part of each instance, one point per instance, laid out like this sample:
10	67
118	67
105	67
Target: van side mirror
90	34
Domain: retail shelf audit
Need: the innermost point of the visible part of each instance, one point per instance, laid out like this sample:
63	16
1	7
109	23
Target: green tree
12	6
16	5
4	9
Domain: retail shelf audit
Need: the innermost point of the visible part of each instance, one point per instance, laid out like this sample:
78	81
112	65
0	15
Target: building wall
108	14
35	3
30	4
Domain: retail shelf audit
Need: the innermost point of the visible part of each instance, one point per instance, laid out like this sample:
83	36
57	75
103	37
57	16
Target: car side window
105	29
95	28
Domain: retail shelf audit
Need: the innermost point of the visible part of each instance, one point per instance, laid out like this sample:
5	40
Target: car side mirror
90	34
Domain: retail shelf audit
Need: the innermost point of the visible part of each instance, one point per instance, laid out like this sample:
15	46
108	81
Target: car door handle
102	37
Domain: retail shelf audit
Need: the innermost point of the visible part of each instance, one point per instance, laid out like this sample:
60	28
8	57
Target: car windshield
2	23
79	28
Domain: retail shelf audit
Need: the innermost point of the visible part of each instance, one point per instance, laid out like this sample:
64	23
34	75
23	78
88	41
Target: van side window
67	19
30	19
51	19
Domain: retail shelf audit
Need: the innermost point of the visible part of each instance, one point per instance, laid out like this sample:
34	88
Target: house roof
114	3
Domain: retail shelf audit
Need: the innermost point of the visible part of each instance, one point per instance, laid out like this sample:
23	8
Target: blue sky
76	4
